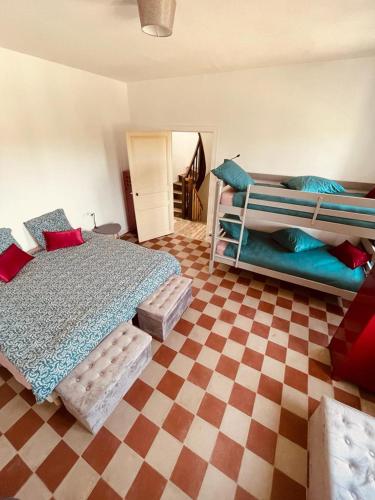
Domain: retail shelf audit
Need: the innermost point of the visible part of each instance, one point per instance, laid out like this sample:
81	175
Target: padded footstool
341	445
94	388
159	313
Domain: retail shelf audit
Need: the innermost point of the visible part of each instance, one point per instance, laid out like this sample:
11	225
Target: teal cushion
234	175
233	230
296	240
312	184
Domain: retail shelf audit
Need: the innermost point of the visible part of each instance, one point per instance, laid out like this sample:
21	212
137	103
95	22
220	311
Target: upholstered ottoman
341	445
93	389
159	313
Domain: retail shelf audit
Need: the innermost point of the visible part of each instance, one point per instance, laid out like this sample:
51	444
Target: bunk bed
348	213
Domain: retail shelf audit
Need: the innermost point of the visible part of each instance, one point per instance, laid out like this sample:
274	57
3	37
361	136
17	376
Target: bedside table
112	229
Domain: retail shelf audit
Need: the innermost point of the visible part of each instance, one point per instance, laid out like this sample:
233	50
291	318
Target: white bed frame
245	214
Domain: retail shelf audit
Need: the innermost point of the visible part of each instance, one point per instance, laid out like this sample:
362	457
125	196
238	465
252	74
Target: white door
150	164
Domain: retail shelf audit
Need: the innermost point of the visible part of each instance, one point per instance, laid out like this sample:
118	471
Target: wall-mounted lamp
92	214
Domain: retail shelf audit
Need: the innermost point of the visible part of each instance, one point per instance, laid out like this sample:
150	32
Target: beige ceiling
104	36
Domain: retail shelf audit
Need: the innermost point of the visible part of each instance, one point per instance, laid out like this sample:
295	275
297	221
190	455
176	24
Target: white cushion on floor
342	453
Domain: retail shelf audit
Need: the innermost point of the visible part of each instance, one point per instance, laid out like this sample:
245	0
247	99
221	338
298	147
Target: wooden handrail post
183	197
192	207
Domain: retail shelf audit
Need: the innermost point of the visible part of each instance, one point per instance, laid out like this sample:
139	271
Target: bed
63	304
329	212
268	202
317	265
277	205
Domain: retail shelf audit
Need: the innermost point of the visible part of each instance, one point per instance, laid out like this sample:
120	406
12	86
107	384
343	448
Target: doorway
191	165
169	182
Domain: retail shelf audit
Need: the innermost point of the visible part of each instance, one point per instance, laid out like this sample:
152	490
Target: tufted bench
341	453
159	313
93	389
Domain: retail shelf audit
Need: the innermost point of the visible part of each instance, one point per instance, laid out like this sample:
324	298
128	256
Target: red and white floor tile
220	412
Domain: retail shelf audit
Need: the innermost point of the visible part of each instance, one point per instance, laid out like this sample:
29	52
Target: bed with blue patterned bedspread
63	303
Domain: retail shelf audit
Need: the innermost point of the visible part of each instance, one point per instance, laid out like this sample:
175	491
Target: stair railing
192	207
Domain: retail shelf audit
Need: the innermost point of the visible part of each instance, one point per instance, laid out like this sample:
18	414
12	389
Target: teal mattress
239	200
317	265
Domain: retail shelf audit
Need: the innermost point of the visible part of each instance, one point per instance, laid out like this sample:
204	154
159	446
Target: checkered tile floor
220	412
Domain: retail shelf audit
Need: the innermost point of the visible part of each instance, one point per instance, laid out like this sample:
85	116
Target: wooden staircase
186	201
177	198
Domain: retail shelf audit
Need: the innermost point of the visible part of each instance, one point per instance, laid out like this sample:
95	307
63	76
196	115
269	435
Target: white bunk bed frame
366	234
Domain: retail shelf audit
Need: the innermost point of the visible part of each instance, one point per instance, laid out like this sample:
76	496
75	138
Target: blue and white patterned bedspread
63	303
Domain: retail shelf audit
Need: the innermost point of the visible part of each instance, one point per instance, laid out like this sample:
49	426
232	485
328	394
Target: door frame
179	127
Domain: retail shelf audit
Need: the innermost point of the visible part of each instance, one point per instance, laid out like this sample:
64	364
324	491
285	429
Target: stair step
177	212
177	204
177	184
177	195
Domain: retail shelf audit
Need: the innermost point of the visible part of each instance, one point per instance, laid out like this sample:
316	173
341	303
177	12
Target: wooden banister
197	167
192	207
197	207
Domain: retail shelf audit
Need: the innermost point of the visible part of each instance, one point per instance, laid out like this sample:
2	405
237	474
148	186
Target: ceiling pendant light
157	16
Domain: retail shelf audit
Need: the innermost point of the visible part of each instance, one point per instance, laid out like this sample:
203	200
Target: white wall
62	131
183	148
62	143
316	118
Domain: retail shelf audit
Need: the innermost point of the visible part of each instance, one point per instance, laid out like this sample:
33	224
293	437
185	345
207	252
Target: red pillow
350	255
12	260
63	239
371	194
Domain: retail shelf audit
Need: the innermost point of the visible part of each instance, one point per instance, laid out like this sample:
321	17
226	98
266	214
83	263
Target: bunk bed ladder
243	223
217	232
216	227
